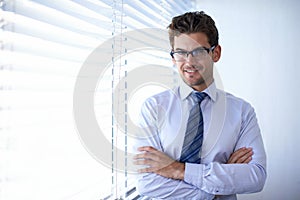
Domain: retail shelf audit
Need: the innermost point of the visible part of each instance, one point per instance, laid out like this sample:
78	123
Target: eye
199	51
181	53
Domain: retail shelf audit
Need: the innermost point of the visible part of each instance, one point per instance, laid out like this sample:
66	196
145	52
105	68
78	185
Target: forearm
225	179
156	186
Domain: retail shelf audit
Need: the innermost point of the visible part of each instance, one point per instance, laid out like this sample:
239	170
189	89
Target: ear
216	54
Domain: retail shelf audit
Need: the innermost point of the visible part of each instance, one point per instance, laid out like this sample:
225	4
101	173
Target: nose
190	58
189	63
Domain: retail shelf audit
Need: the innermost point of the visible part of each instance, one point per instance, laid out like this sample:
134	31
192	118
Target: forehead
190	41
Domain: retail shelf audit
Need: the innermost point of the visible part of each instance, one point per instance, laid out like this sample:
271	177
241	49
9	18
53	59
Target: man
202	143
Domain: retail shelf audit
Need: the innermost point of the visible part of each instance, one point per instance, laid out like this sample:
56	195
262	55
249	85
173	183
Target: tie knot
199	96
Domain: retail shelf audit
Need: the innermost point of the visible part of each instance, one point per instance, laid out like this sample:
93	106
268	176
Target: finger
242	156
243	151
245	157
147	148
143	162
237	155
146	155
248	160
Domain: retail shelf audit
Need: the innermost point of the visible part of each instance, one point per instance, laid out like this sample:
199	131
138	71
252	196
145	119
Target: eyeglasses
198	53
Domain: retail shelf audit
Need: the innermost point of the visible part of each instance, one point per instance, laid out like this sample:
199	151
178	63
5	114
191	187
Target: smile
190	70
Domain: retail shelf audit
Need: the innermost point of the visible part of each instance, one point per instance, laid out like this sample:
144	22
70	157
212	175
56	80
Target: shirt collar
186	90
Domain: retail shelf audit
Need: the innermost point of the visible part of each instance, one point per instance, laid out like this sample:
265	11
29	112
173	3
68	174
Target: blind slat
44	45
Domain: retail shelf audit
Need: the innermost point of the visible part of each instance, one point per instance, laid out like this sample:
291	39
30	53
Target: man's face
196	71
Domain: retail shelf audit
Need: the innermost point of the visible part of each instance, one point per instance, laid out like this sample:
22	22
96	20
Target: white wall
259	63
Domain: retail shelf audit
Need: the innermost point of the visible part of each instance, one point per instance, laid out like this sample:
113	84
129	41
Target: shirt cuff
193	174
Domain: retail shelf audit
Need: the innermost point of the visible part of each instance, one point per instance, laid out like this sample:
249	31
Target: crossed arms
161	164
243	172
164	171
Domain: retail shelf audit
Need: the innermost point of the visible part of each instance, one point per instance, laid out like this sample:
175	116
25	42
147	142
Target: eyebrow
179	49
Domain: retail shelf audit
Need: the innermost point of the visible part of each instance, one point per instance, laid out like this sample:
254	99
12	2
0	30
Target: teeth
189	70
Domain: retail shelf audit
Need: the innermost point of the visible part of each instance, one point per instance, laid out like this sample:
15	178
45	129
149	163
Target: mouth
192	69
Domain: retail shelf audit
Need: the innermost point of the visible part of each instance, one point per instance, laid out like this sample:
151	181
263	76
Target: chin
194	83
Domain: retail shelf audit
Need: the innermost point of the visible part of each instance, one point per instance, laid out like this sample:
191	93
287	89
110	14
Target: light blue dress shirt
229	124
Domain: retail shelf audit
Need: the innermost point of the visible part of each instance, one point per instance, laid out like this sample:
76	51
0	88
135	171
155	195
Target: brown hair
193	22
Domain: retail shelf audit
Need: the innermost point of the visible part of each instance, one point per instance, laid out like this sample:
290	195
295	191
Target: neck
203	85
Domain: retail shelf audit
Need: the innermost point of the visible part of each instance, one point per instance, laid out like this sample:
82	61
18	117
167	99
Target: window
44	45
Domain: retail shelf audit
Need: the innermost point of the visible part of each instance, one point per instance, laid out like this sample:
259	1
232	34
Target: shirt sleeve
151	184
224	179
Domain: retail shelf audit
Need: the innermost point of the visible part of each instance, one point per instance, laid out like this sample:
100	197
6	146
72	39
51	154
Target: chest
221	131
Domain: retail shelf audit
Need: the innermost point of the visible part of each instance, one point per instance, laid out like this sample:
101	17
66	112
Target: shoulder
239	110
236	103
164	97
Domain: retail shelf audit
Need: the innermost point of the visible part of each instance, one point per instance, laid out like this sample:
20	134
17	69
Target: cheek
179	65
207	64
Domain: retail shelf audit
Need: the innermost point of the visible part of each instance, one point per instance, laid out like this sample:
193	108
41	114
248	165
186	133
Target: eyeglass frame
191	52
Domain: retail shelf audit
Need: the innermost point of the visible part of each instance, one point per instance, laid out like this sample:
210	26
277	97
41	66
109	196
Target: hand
242	155
159	163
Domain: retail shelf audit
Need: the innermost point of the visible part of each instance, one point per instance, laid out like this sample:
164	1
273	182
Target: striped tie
194	132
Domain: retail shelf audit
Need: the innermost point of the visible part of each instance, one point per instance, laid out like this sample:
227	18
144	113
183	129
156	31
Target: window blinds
44	44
